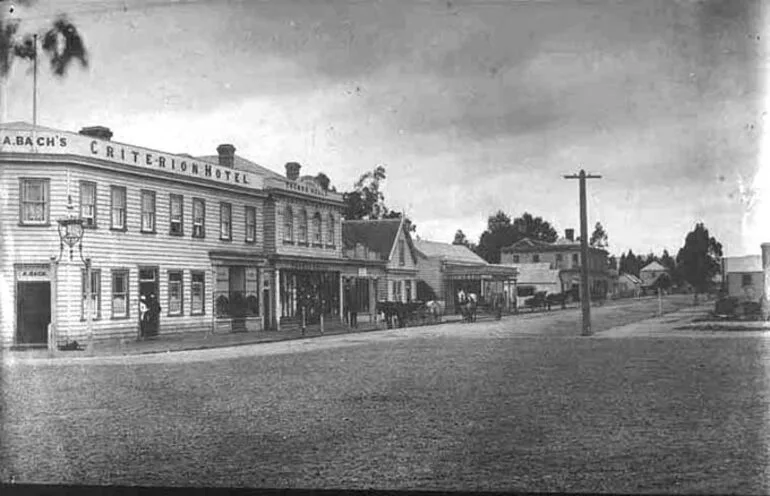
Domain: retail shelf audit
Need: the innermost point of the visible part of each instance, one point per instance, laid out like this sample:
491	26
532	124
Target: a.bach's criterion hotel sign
60	143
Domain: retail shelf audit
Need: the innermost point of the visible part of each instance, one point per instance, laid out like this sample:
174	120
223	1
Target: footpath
687	322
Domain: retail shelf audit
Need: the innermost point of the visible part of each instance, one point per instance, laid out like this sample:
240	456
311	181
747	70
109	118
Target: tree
501	232
408	224
461	239
61	42
324	181
366	201
630	263
599	237
534	228
699	259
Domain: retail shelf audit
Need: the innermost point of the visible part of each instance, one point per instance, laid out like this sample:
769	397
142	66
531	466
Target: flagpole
34	81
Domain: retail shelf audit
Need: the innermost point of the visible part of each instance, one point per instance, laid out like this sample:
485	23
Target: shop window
199	218
222	292
176	215
96	292
288	225
251	224
175	292
148	211
252	291
34	201
288	291
118	207
303	226
225	221
120	302
523	291
317	230
330	231
198	293
88	203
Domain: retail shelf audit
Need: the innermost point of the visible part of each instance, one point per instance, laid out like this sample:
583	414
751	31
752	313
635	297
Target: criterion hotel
223	244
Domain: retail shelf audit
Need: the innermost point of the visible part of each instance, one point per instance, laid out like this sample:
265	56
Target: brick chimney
292	170
569	234
100	132
226	155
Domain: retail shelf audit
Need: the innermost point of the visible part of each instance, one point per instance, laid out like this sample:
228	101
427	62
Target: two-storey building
563	255
223	243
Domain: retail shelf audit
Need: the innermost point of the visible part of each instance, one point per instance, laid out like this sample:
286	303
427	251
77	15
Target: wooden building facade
222	243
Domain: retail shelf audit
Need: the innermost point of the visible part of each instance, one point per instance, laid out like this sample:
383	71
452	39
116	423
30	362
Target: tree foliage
501	232
61	42
367	202
599	237
699	259
462	239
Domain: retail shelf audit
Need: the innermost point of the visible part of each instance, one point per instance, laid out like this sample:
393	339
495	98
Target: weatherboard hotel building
223	243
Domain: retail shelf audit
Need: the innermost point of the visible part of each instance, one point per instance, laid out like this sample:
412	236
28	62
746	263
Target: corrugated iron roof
448	251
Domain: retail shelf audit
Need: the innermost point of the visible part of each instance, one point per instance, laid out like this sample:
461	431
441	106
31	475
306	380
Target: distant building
534	278
388	241
445	269
654	276
628	285
564	256
744	277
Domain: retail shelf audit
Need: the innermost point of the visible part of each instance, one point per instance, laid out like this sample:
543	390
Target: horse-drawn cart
402	314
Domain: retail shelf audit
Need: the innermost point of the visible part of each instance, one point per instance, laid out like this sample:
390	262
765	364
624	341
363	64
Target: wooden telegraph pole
585	297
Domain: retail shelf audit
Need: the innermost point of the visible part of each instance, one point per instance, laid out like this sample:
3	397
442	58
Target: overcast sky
472	106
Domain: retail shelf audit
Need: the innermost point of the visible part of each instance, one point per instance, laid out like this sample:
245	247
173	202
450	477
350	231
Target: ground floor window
175	292
96	291
408	291
119	294
397	291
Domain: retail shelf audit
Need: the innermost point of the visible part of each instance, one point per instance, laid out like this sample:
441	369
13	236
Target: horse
435	310
467	302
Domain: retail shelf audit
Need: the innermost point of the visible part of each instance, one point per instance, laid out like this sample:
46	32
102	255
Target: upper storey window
303	226
288	225
34	201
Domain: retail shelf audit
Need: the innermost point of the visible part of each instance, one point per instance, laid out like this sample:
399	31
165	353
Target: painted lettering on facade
28	273
55	143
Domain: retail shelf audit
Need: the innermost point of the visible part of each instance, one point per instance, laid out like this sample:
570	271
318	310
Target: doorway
149	317
33	313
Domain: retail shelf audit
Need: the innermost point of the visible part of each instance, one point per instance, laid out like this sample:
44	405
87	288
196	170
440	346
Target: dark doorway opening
149	317
33	313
